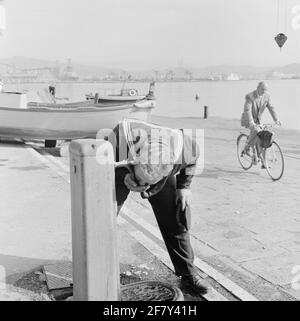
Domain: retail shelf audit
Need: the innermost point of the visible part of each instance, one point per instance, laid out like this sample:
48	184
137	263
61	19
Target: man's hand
132	185
278	123
184	196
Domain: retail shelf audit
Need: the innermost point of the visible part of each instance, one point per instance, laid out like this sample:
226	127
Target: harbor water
177	99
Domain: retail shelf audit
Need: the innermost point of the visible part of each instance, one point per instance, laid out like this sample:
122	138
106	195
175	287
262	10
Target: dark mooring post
96	98
205	112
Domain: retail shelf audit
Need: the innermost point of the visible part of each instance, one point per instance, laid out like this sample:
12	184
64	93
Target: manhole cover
150	291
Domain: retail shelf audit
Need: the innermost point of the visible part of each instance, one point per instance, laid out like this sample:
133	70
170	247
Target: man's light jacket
254	107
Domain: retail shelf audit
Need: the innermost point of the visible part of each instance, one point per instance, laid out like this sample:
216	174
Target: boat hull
60	123
117	99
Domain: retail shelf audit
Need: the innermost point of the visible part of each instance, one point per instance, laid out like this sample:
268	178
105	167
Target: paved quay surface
245	217
244	226
35	215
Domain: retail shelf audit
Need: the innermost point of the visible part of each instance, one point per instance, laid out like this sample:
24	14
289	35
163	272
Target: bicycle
271	157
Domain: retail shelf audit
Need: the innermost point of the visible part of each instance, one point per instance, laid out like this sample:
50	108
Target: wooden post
205	112
94	213
96	98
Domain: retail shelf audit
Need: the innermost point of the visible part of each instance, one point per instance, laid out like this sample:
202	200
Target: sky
142	34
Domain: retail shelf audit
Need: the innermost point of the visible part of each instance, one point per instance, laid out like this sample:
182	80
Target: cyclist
255	104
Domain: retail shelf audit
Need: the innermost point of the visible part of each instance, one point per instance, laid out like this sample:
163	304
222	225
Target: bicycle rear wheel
245	157
274	161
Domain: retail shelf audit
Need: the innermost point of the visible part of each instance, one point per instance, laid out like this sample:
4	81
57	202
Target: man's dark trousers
173	223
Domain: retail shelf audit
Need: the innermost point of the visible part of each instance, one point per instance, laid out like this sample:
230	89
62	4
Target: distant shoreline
57	82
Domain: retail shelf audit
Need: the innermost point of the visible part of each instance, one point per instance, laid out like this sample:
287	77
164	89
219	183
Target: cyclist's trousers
252	138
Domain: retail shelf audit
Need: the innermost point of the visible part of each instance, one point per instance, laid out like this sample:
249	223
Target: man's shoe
246	152
254	160
263	163
264	166
195	282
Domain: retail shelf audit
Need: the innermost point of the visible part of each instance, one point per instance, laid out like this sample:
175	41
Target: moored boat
130	95
52	122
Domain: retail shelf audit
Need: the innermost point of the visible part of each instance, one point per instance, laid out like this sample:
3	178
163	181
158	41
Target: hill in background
19	64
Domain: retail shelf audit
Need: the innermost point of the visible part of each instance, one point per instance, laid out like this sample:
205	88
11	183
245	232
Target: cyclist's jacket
254	107
130	134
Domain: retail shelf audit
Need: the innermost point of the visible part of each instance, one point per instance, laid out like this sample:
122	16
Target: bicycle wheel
274	161
245	158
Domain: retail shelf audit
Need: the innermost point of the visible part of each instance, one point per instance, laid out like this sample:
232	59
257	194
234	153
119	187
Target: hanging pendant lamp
281	39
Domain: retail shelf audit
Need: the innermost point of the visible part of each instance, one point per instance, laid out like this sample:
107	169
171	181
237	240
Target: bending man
161	164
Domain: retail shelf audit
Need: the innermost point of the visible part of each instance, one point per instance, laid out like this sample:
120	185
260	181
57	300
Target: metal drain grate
150	291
